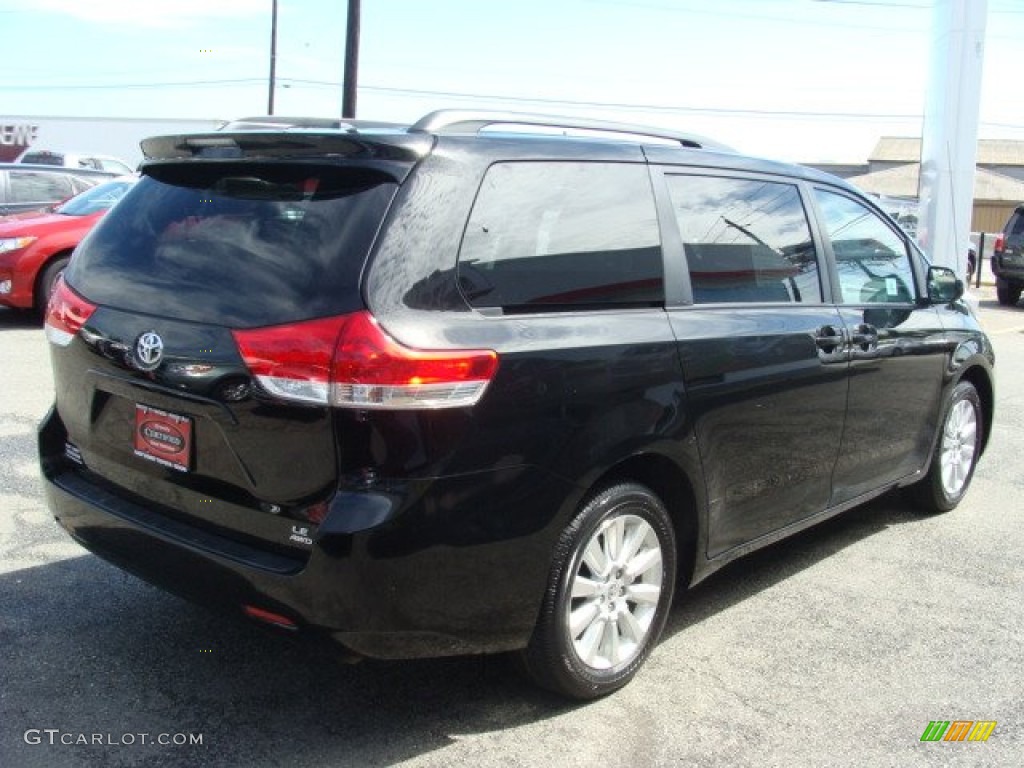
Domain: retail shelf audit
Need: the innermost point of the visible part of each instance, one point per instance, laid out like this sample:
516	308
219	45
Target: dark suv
491	382
1008	259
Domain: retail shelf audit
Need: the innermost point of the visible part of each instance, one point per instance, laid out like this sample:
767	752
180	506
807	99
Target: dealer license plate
163	437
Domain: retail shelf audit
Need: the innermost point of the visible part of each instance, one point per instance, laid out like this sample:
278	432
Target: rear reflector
350	362
269	617
66	313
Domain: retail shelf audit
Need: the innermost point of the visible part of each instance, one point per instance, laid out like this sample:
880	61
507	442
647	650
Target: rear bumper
1008	267
428	572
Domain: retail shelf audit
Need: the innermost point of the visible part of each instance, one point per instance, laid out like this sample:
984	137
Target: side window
562	235
1016	226
871	258
746	240
30	187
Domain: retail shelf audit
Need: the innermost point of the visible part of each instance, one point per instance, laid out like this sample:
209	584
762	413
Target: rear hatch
205	271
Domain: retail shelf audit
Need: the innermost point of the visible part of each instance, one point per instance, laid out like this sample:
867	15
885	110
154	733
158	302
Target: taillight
372	370
1000	244
349	361
293	361
66	313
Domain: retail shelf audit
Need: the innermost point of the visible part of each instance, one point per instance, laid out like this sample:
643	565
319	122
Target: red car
35	246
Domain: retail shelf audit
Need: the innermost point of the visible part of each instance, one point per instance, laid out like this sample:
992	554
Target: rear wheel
608	595
1007	292
956	454
47	281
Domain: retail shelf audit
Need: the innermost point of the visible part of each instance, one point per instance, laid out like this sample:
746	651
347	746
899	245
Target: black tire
47	280
625	513
957	449
1007	293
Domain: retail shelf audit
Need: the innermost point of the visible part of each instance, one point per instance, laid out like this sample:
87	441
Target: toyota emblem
149	351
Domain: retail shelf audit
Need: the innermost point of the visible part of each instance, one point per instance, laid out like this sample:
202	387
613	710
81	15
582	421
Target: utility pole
950	137
348	99
273	57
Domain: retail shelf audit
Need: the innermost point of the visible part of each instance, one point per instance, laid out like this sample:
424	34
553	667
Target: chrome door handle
864	336
829	339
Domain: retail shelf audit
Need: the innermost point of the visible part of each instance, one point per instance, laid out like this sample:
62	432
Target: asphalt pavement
835	648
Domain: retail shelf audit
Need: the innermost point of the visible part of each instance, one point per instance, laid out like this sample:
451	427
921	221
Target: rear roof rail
458	121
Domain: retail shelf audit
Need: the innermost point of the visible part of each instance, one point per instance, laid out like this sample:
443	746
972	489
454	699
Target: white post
950	137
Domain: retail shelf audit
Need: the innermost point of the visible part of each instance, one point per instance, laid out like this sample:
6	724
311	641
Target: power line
664	108
109	86
748	17
640	107
512	99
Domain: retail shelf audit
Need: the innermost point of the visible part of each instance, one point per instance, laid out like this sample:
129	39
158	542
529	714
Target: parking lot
837	647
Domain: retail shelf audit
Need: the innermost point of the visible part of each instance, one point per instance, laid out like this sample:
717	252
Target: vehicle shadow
19	319
994	304
760	570
90	649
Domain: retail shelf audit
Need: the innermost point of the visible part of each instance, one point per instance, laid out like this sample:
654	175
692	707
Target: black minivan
491	382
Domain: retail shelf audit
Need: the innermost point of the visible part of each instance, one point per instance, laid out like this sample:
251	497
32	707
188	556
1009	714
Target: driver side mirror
944	287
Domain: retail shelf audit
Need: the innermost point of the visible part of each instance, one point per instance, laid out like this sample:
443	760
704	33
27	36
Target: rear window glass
1016	226
558	235
241	245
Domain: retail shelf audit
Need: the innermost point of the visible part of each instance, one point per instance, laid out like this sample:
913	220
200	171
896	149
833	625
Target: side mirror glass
944	287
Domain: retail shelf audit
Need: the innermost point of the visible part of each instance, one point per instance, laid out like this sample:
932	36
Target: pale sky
803	80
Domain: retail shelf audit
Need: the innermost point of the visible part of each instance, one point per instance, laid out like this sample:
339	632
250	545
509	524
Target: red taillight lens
293	361
349	361
66	313
372	370
1000	244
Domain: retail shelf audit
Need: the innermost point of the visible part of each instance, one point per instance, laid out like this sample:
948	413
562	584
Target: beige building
894	167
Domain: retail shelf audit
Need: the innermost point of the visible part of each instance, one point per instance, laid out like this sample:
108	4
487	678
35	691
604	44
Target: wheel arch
675	489
982	382
37	282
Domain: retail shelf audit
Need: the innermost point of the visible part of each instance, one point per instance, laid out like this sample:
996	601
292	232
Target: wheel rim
615	592
959	441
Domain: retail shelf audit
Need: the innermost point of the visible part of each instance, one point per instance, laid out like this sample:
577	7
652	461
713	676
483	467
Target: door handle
828	339
865	336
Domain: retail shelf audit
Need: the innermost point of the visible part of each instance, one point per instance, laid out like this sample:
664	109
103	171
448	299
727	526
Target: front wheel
956	454
608	594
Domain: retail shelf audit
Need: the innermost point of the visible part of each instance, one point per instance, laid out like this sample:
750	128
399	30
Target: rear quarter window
562	235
